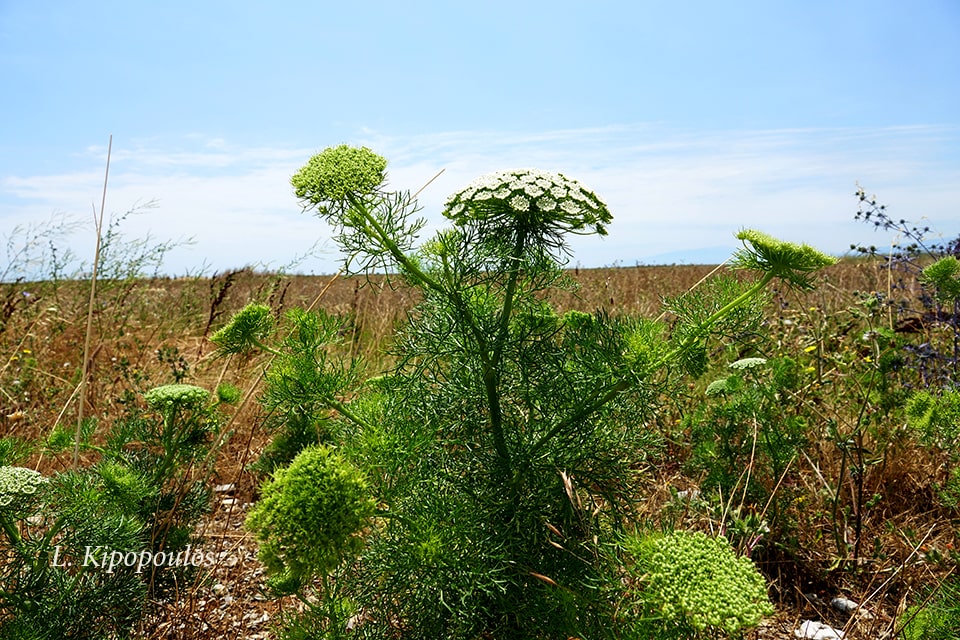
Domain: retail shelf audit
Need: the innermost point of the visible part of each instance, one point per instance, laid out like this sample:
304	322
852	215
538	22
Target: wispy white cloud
672	192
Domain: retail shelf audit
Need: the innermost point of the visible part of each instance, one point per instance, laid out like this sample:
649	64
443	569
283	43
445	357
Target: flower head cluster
335	175
17	483
246	331
791	262
310	516
177	396
540	203
719	387
744	364
732	383
697	580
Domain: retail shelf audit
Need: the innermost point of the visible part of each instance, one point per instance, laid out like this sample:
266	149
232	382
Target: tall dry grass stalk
93	292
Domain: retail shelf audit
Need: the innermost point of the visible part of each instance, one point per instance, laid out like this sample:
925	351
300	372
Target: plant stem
330	400
491	369
718	315
12	534
376	231
609	392
93	289
490	362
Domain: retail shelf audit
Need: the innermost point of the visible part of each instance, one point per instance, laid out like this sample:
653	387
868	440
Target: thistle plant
691	585
502	448
935	315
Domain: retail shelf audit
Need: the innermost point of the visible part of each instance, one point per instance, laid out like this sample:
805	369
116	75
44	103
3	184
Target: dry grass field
863	519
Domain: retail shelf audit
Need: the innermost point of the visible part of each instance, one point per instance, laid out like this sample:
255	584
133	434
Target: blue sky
692	120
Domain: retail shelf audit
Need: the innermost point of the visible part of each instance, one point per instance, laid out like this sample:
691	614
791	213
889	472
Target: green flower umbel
535	205
171	397
794	263
337	175
692	579
310	517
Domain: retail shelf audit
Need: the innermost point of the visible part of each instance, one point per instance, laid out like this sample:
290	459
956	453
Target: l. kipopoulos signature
102	557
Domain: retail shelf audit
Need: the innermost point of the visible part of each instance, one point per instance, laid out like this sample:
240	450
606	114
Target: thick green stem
607	393
491	369
503	325
347	413
376	231
11	530
707	324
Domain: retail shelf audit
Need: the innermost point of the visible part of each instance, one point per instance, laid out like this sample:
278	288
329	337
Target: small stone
225	488
253	620
849	607
813	630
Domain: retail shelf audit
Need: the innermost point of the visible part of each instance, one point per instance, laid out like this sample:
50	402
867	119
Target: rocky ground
227	602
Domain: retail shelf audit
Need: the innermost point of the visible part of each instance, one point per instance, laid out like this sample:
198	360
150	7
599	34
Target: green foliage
939	617
944	276
302	382
748	433
310	517
936	418
228	393
142	497
44	588
694	586
13	450
503	447
722	307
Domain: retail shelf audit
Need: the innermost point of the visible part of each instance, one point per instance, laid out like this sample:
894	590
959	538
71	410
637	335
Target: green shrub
48	525
747	433
502	449
935	418
68	540
938	618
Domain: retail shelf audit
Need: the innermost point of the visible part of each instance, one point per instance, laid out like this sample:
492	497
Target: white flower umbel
17	483
529	203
